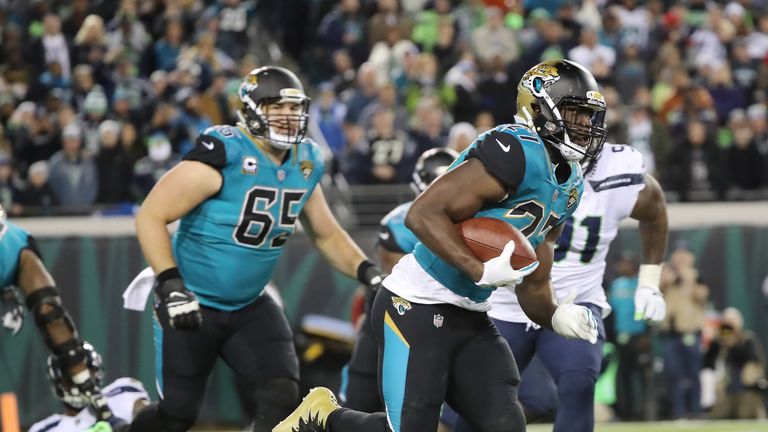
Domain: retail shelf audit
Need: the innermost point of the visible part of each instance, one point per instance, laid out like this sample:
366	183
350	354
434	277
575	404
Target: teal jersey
227	247
536	202
13	240
394	236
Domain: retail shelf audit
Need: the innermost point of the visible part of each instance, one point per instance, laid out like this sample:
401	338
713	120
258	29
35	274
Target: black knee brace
275	400
45	304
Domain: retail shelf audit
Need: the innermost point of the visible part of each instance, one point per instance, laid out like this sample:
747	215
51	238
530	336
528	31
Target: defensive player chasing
238	194
125	397
22	267
359	389
436	341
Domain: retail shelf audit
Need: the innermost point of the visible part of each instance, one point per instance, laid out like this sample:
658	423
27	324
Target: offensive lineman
436	342
238	194
125	397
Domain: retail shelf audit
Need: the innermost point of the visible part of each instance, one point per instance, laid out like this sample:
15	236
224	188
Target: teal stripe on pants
394	372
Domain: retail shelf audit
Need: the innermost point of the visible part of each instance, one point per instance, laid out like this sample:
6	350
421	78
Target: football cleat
312	414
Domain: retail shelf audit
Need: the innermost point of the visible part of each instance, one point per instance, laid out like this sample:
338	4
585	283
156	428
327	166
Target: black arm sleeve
387	240
208	150
503	157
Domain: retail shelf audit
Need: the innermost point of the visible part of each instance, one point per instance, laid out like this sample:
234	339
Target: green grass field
681	426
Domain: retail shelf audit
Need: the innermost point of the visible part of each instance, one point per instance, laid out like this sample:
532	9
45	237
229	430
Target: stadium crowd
98	99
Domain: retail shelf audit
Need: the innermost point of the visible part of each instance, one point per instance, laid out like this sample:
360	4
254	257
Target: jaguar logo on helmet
596	98
540	77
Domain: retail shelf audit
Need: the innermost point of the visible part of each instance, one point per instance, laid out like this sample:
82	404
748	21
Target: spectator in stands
686	296
364	93
73	175
650	137
345	75
462	79
167	50
726	96
389	15
759	124
38	198
328	113
233	17
90	43
387	100
744	69
10	193
746	168
191	116
461	136
51	47
114	168
630	73
346	27
737	359
391	152
597	58
695	165
428	21
95	107
150	168
495	39
633	342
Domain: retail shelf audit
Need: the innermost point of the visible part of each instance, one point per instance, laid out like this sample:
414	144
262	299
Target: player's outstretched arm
180	190
651	211
455	196
58	329
334	242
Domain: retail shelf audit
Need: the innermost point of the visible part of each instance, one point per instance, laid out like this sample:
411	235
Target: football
486	238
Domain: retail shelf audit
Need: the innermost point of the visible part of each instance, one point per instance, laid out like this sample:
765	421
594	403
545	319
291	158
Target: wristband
368	273
165	275
649	276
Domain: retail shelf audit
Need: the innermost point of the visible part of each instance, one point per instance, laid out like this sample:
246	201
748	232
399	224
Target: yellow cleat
312	414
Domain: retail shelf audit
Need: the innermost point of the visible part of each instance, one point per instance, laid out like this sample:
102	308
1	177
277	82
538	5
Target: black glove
176	306
12	309
372	276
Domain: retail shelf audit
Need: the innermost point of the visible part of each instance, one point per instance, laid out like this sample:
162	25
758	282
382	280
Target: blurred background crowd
99	98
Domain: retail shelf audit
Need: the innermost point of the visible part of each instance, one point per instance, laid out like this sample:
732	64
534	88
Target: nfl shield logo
437	320
280	175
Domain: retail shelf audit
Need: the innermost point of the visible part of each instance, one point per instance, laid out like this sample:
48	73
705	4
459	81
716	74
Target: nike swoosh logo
209	146
384	235
503	147
177	294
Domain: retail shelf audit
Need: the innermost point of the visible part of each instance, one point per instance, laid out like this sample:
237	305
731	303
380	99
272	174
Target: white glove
573	321
649	303
498	272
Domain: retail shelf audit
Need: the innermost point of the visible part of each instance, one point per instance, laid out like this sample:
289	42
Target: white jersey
611	189
121	395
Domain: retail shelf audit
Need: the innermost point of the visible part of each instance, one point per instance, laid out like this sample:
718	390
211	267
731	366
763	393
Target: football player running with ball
616	187
238	194
436	341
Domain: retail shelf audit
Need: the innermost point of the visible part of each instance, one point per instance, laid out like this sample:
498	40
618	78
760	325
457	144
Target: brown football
486	238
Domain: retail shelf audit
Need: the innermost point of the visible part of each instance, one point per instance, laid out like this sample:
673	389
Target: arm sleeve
387	240
503	157
209	150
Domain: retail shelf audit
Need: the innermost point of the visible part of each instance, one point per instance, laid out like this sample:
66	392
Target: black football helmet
430	165
62	382
546	89
268	85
